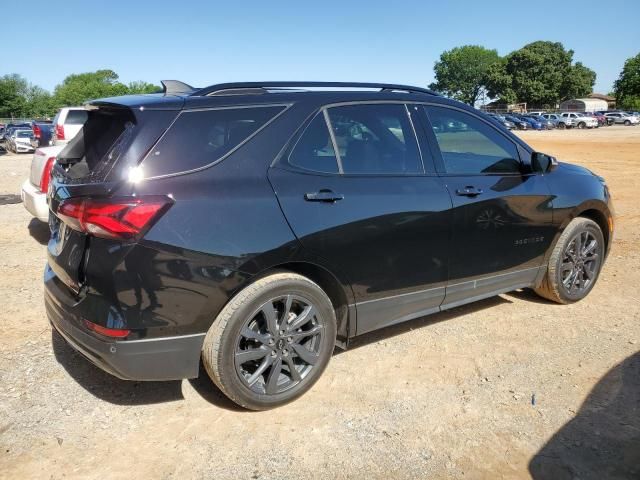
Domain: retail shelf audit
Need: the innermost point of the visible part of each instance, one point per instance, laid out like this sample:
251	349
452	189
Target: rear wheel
575	262
271	342
562	126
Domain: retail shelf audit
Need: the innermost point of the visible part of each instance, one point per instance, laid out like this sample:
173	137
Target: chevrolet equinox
255	226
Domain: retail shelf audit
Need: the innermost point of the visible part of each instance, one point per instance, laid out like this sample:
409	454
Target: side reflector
107	332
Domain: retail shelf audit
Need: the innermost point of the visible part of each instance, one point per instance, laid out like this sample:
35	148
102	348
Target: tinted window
471	146
199	138
314	150
76	117
375	139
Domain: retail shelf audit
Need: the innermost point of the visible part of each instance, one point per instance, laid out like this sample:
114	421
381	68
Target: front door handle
323	196
469	191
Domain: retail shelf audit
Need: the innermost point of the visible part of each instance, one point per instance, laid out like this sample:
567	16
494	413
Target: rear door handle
323	196
469	191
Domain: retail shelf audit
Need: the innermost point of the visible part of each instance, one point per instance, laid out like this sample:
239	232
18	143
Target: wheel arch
339	293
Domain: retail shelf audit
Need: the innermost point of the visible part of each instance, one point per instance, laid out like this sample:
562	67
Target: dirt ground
510	387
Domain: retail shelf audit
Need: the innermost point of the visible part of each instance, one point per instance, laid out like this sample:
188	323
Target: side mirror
543	163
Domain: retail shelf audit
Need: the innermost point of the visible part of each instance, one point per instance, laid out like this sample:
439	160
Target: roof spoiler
176	87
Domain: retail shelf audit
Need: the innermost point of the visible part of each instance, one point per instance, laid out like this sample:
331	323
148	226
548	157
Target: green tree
143	87
13	89
461	73
627	86
78	88
540	73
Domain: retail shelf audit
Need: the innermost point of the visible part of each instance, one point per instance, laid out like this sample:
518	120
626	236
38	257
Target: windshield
24	134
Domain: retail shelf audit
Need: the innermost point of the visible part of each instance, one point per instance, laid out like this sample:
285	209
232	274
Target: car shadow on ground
603	440
124	392
39	231
107	387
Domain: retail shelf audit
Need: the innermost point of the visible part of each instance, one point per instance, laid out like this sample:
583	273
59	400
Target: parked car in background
560	122
602	120
9	128
20	141
503	121
520	124
580	120
34	189
42	134
623	118
533	124
546	123
254	227
536	113
67	123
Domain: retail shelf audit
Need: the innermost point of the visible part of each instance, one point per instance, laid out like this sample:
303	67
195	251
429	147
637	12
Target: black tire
243	330
581	125
627	122
562	126
562	287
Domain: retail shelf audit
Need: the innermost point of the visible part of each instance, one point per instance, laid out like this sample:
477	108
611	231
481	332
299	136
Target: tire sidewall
233	385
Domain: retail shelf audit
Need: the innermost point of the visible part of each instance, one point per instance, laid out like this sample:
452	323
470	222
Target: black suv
254	226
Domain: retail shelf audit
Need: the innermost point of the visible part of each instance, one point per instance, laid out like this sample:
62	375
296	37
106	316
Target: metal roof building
584	105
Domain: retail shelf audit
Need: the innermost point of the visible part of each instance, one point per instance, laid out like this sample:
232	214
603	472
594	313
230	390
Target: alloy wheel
279	345
580	263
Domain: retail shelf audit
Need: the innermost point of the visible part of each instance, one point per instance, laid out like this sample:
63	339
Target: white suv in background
67	123
581	121
34	188
624	118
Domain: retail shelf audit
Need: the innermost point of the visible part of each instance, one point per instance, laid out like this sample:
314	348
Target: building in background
611	101
584	105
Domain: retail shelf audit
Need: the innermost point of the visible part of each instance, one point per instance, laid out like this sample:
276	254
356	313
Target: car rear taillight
113	218
46	174
107	332
36	131
60	131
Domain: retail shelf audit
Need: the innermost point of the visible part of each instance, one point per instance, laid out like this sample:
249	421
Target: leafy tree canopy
461	73
540	73
627	87
20	99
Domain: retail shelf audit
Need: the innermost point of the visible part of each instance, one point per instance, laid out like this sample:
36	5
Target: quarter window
471	146
375	139
199	138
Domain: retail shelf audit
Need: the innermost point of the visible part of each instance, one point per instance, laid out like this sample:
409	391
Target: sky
202	43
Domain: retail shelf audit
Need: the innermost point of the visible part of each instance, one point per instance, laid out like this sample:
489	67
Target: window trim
440	166
286	106
324	111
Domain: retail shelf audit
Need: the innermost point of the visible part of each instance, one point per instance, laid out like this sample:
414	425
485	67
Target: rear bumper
167	358
35	201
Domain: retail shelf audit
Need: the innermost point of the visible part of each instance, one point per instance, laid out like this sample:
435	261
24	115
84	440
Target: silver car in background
559	121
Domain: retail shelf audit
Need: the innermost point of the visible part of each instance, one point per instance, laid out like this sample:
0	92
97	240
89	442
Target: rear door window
375	139
199	138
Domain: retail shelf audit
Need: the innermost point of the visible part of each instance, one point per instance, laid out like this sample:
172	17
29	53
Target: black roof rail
176	87
263	87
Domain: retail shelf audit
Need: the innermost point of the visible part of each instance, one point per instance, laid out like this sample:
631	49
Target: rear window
76	117
199	138
98	145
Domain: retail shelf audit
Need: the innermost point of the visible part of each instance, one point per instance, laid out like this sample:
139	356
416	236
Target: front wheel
627	122
575	262
581	125
562	126
271	342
